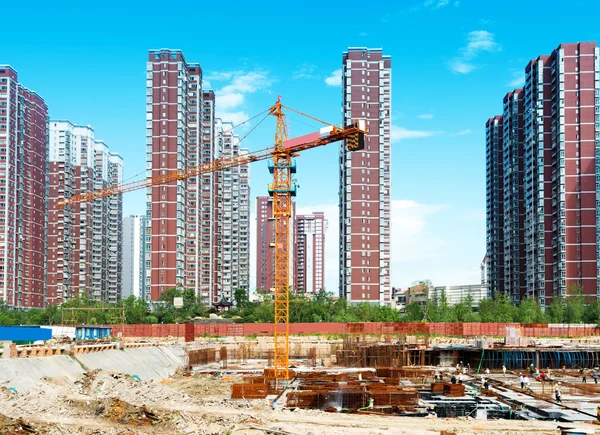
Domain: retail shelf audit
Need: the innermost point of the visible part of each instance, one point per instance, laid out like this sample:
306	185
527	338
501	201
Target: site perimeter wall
376	328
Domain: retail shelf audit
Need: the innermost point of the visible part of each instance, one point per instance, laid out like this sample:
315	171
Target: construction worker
584	374
526	382
598	413
504	369
557	392
595	376
487	371
522	380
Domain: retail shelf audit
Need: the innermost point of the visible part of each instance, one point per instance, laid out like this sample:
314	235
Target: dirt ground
111	403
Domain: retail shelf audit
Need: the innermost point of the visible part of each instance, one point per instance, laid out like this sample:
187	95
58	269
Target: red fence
380	328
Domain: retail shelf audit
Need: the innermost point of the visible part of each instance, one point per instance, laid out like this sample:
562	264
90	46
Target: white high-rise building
233	216
115	230
309	250
85	238
365	179
134	252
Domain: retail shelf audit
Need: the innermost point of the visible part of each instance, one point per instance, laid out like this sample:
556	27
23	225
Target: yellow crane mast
282	189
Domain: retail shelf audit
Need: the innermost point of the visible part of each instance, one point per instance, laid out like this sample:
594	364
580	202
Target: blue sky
453	61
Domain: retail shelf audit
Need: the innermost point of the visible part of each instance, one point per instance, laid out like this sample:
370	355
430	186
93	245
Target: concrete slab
24	374
146	362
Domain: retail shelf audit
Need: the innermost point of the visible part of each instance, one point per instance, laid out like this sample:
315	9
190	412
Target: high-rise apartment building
85	243
365	179
70	233
265	246
513	232
134	231
23	193
173	104
196	229
494	202
202	267
554	128
309	252
233	216
114	250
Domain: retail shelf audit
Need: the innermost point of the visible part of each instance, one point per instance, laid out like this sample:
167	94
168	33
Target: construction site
368	378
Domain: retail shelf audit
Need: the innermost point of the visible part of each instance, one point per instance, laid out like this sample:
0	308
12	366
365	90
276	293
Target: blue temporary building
24	334
93	332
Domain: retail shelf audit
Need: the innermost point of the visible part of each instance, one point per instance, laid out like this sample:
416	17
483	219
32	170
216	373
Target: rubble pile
103	384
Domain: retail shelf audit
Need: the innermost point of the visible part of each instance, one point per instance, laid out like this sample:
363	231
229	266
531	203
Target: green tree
575	305
556	310
414	312
240	296
136	309
592	313
530	311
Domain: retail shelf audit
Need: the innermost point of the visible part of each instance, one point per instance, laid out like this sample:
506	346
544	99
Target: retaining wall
379	328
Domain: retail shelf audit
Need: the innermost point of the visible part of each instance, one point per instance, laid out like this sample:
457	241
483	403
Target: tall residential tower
85	239
550	152
365	179
309	252
23	193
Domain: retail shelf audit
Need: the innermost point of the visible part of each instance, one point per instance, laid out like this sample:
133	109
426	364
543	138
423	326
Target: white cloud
461	67
247	82
305	71
335	79
518	79
411	239
235	117
478	41
229	101
217	76
230	98
426	116
363	34
399	133
437	3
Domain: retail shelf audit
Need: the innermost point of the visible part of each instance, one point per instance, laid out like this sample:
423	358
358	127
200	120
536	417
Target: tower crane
282	189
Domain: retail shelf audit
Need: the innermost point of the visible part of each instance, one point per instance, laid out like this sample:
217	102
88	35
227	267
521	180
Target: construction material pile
258	387
352	392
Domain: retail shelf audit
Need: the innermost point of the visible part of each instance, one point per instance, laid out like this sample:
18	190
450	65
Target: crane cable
308	116
225	131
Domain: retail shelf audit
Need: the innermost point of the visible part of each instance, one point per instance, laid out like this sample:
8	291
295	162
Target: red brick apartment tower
560	134
265	244
69	228
365	179
560	145
167	118
494	205
265	234
513	205
23	193
309	252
